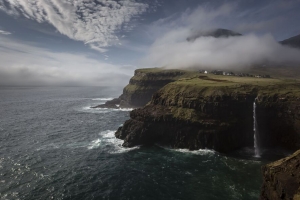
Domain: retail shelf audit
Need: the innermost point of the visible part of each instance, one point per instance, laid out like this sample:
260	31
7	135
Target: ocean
54	146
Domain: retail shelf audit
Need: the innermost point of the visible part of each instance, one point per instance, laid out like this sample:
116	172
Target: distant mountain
293	41
217	33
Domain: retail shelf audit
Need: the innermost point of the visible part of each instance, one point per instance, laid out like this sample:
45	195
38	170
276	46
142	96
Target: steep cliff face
278	119
216	112
144	84
282	179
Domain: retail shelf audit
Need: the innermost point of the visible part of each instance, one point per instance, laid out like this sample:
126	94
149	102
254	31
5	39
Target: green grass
208	85
196	84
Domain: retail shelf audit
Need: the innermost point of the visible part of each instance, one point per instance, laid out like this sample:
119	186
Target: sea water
54	146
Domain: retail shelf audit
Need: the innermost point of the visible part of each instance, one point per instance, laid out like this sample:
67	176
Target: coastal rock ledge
143	85
216	112
282	179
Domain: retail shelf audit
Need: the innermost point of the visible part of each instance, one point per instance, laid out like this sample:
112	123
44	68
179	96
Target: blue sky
101	42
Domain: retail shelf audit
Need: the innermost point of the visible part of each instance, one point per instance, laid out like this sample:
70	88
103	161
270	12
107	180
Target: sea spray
255	130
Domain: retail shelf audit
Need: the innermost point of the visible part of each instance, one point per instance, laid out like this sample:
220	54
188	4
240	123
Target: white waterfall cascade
255	129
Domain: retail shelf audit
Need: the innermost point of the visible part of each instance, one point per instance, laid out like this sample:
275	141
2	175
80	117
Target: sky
102	42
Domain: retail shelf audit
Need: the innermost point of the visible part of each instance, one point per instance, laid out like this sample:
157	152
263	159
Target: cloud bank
172	49
94	22
24	64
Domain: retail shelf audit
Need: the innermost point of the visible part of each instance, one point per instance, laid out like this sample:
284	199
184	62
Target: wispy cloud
4	32
27	64
94	22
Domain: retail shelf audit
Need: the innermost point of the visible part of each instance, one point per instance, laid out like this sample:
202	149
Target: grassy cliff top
208	84
198	84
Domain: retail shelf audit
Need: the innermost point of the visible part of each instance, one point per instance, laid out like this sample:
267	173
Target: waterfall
255	130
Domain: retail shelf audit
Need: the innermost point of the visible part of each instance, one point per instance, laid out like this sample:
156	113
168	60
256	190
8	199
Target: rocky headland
192	110
216	112
143	85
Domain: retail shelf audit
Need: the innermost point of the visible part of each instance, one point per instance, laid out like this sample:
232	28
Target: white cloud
172	50
93	22
219	53
4	32
26	64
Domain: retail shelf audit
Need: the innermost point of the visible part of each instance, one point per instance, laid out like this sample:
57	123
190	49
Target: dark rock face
142	86
279	121
223	123
145	83
293	41
110	104
282	179
214	117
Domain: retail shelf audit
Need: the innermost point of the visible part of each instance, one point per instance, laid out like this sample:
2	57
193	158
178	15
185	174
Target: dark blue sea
53	146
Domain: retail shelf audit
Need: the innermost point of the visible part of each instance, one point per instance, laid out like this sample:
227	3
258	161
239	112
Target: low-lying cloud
171	49
232	52
28	65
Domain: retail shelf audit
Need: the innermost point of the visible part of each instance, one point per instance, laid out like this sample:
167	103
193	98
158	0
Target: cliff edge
143	85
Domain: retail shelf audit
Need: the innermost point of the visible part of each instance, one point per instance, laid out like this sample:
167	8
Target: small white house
205	72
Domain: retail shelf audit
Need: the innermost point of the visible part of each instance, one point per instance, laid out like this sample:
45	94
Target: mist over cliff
198	39
173	51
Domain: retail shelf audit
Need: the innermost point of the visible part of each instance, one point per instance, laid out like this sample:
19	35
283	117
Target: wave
94	144
88	109
103	99
186	151
197	152
107	138
111	109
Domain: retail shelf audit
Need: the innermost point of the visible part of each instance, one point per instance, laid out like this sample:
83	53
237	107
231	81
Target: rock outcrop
143	85
293	41
281	179
216	33
216	112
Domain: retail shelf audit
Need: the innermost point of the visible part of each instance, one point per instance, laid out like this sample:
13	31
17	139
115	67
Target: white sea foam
102	99
94	144
95	110
87	108
108	137
124	109
196	152
113	109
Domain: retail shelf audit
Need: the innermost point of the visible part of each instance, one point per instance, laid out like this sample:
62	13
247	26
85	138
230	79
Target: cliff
216	112
282	179
144	84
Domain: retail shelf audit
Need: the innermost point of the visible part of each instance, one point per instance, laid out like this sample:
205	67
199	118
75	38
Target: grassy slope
188	81
197	88
237	84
